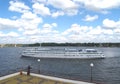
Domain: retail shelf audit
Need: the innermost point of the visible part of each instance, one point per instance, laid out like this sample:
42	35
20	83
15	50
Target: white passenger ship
40	52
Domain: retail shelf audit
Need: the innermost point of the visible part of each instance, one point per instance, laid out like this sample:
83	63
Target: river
105	71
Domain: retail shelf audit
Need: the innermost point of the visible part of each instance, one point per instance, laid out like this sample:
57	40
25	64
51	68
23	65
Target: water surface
105	71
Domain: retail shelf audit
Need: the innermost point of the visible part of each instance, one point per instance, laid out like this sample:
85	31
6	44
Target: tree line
75	44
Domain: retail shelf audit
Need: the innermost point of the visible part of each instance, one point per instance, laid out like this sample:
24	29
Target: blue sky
61	21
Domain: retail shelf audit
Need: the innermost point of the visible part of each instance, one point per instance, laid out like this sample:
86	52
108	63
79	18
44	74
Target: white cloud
76	29
30	25
49	26
90	18
29	21
27	26
1	34
107	23
48	29
77	33
104	12
54	24
32	32
9	34
8	24
12	34
71	11
96	31
18	7
58	13
62	4
67	6
99	5
40	1
14	17
28	15
41	9
117	30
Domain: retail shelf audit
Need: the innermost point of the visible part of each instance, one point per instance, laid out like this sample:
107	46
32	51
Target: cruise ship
41	52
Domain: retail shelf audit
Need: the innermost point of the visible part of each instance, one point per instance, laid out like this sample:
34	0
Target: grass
24	79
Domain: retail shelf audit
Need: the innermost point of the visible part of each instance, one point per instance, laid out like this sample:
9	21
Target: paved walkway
36	79
24	79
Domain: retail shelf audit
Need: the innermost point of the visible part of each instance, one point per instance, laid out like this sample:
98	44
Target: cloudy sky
31	21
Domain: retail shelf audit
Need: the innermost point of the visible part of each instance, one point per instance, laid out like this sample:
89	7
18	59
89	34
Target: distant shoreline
63	44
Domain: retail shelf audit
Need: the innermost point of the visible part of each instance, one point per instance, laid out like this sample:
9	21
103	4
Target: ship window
80	50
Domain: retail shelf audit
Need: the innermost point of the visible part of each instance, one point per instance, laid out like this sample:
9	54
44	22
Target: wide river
105	71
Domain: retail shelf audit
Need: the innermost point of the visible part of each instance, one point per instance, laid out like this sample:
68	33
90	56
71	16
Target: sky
59	21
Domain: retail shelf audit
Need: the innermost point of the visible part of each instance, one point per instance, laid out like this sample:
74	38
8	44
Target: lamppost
91	65
39	66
